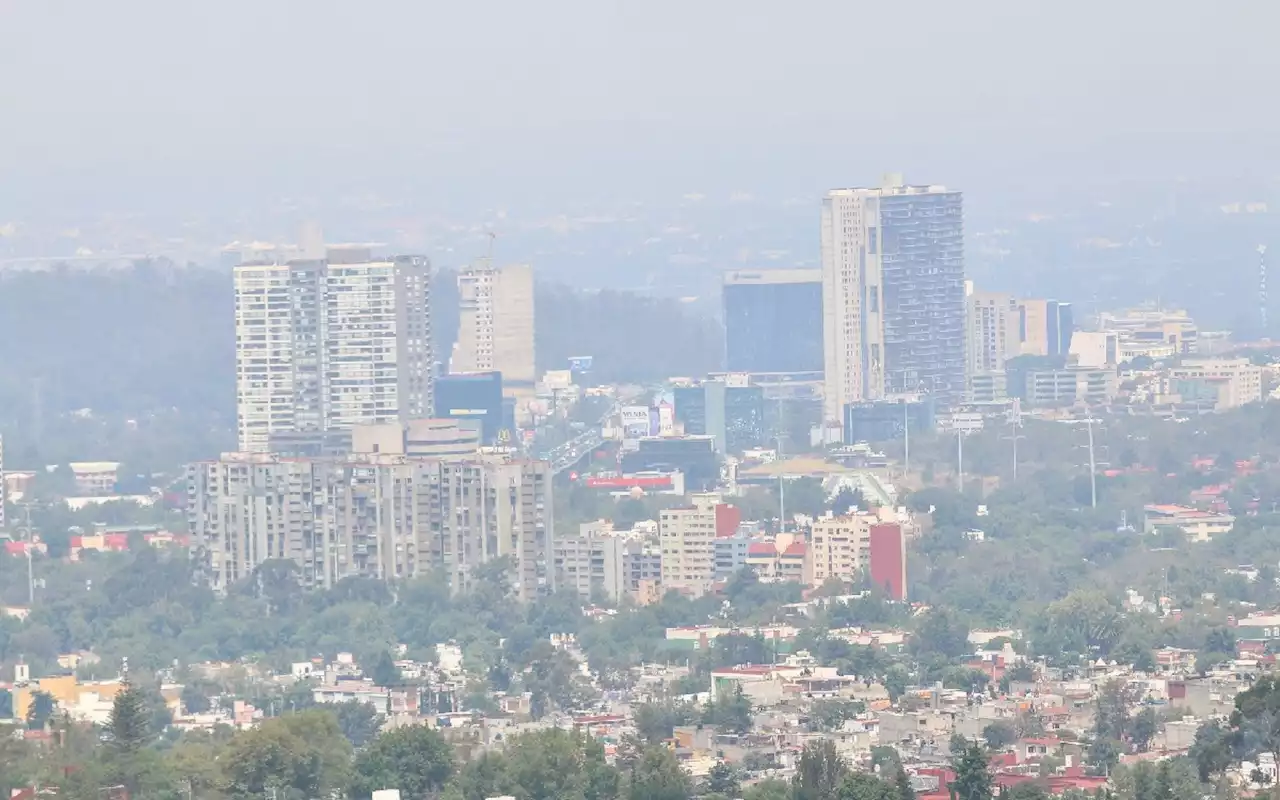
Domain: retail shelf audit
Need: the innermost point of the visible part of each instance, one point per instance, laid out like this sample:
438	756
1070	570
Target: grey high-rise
892	293
324	344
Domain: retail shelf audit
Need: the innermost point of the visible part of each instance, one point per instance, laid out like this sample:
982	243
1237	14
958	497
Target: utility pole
906	438
960	454
1093	464
1089	421
782	504
1015	424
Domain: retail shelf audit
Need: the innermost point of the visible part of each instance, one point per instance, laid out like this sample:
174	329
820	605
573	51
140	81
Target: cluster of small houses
921	725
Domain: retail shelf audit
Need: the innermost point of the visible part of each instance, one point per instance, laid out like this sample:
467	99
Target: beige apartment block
688	538
496	327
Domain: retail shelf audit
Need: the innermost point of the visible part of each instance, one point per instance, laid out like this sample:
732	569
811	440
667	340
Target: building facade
993	330
687	535
857	546
893	293
598	562
773	321
331	343
1220	383
383	516
475	397
496	327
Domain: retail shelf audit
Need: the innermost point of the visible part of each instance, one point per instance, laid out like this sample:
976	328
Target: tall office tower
495	327
773	320
993	331
892	293
330	344
375	515
1060	327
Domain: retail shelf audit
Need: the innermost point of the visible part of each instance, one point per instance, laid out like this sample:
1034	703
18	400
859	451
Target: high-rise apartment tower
328	344
892	293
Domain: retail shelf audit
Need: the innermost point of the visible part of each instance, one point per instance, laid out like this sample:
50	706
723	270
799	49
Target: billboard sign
579	364
635	421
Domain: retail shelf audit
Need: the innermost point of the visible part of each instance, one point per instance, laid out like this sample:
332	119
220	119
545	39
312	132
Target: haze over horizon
459	106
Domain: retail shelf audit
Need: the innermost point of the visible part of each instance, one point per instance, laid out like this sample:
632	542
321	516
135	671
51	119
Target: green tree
39	710
1256	718
384	672
1211	750
657	776
302	755
864	786
1143	728
819	773
768	789
414	759
1029	790
831	714
999	735
730	711
941	633
723	779
655	721
973	774
359	721
903	790
558	764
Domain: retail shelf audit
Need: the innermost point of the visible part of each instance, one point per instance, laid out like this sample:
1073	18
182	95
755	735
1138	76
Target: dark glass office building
693	456
690	408
1061	325
744	426
883	421
473	396
773	320
733	416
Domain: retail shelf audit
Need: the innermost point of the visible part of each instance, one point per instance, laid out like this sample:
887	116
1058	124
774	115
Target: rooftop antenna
1262	289
492	236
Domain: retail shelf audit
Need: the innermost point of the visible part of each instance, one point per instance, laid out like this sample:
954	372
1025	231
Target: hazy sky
554	97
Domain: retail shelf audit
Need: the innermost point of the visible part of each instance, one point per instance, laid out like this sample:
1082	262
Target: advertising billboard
635	421
579	364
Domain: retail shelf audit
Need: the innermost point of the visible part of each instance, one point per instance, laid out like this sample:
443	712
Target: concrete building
384	516
376	343
1174	327
731	554
892	293
850	547
331	343
95	478
1045	327
993	329
1055	388
4	484
773	321
419	438
1094	349
496	328
1222	382
688	535
1199	526
782	558
596	562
